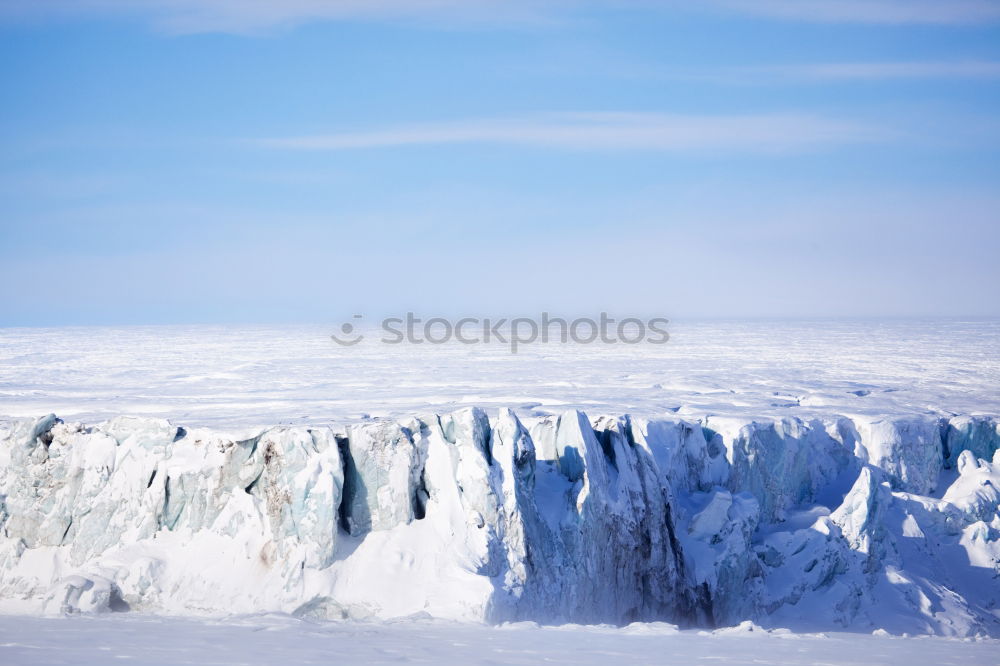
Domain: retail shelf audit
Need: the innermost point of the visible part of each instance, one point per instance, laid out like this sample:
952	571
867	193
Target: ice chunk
382	468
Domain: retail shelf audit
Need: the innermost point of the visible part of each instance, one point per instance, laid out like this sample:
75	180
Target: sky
183	161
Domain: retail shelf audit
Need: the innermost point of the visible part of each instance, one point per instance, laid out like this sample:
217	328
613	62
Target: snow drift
826	524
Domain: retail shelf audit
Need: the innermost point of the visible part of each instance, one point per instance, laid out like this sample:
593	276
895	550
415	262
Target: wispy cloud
255	16
868	11
609	131
825	72
886	70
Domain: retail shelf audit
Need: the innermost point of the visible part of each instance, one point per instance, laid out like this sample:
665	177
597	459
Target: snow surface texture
229	376
274	639
861	524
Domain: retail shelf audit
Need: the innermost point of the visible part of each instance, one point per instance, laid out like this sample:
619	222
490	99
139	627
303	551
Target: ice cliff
833	523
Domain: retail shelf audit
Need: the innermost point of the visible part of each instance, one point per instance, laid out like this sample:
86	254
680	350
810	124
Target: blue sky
182	161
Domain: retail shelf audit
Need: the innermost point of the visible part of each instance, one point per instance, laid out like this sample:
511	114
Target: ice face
978	434
382	472
820	524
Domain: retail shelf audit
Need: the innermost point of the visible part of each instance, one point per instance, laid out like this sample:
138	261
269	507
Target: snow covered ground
229	375
817	476
278	639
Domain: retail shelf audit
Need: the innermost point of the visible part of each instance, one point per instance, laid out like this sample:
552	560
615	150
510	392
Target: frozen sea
264	375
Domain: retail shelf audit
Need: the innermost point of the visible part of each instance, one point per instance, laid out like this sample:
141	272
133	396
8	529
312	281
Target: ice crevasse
827	524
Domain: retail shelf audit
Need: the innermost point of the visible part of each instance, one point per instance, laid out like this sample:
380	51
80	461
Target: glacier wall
832	523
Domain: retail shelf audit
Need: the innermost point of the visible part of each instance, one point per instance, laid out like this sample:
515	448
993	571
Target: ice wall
833	523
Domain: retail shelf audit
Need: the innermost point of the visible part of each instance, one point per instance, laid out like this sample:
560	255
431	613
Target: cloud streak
928	12
888	70
256	16
766	133
830	72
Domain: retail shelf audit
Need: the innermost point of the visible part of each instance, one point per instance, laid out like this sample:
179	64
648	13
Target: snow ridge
834	523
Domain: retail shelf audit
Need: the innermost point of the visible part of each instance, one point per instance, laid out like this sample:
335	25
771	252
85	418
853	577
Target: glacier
860	523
